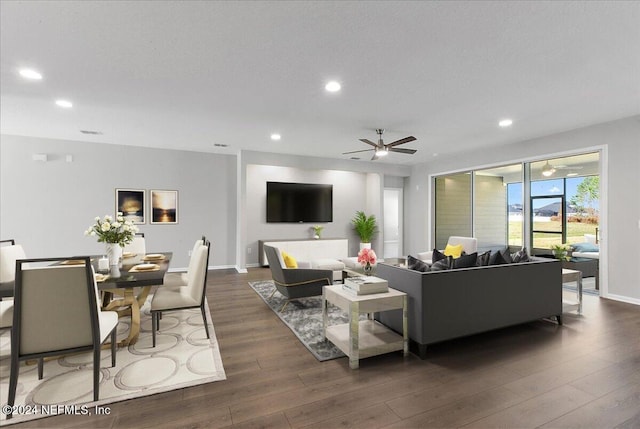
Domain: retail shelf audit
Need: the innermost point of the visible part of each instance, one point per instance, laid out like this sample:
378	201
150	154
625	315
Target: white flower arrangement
107	230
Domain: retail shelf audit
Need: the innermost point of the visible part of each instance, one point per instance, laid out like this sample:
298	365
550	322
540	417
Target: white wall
621	235
357	186
46	206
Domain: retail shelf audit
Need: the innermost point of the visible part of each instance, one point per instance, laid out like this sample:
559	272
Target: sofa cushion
289	261
465	261
497	258
437	255
416	264
454	251
442	264
506	255
327	264
483	259
520	256
585	247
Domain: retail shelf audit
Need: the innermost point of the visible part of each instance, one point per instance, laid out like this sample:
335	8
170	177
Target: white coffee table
360	339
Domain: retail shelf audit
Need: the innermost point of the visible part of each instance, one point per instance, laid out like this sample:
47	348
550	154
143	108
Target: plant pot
365	246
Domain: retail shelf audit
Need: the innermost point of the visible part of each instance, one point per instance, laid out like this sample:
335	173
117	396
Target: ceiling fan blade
401	141
367	141
356	151
401	150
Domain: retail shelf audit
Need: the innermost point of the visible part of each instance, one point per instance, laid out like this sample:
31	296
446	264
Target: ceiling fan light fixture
382	152
30	74
548	170
333	86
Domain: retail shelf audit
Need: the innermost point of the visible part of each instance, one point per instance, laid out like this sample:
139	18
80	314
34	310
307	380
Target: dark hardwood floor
585	374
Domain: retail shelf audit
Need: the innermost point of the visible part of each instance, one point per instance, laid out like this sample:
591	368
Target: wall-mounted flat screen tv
299	202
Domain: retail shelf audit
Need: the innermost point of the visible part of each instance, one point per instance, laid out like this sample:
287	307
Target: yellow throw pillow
289	260
455	251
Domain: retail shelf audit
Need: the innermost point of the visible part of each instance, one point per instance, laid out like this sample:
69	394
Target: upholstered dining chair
172	280
137	246
56	312
191	295
10	252
294	283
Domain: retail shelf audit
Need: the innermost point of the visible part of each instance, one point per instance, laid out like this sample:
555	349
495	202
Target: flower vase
114	252
368	269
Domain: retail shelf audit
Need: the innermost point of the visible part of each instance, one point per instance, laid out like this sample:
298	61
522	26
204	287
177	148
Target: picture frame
131	202
164	206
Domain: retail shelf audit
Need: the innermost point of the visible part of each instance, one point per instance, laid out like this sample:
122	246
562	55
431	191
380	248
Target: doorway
392	225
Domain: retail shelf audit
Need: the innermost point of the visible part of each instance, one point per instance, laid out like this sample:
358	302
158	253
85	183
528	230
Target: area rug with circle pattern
183	357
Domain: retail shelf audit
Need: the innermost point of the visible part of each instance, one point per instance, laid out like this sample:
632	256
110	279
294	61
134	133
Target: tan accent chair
57	312
294	283
191	295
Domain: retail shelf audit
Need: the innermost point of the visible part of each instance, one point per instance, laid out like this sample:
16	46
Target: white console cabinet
308	250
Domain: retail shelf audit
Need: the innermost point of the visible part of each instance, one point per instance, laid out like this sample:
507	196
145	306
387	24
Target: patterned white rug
183	357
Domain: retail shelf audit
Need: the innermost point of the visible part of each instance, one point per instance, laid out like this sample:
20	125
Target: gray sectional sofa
455	303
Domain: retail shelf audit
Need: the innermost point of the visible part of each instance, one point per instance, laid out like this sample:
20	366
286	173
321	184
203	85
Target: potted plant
561	251
366	227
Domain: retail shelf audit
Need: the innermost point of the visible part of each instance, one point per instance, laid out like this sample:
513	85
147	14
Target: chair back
192	260
8	257
198	276
275	264
55	307
137	246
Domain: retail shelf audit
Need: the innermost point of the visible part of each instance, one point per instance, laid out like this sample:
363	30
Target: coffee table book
365	285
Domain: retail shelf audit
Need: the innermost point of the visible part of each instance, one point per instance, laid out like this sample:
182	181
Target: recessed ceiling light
220	145
505	123
332	86
572	174
64	103
276	137
91	132
30	74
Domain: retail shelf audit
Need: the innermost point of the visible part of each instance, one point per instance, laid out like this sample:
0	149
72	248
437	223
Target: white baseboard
210	267
622	298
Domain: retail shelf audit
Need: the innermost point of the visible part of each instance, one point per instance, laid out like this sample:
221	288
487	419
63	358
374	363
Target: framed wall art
164	206
131	203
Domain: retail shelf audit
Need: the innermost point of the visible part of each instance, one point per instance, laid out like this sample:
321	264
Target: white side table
573	276
360	339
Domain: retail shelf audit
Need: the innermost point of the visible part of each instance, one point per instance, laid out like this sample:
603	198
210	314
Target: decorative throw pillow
585	247
454	251
497	259
442	264
520	256
506	256
437	255
289	260
483	259
416	264
466	261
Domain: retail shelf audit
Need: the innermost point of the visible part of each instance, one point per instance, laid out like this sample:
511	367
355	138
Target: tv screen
299	202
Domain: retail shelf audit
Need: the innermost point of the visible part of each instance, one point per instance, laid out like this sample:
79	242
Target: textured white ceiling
189	75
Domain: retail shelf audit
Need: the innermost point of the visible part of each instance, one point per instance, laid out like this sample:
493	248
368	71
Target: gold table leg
132	306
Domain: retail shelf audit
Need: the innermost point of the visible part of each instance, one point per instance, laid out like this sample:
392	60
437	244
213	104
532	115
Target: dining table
119	284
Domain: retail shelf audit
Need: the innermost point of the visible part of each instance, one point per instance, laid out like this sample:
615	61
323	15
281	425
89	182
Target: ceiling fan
549	169
382	149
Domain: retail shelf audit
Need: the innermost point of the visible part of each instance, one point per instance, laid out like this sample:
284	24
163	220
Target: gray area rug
183	357
304	318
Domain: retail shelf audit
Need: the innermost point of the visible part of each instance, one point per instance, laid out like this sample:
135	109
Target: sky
546	187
